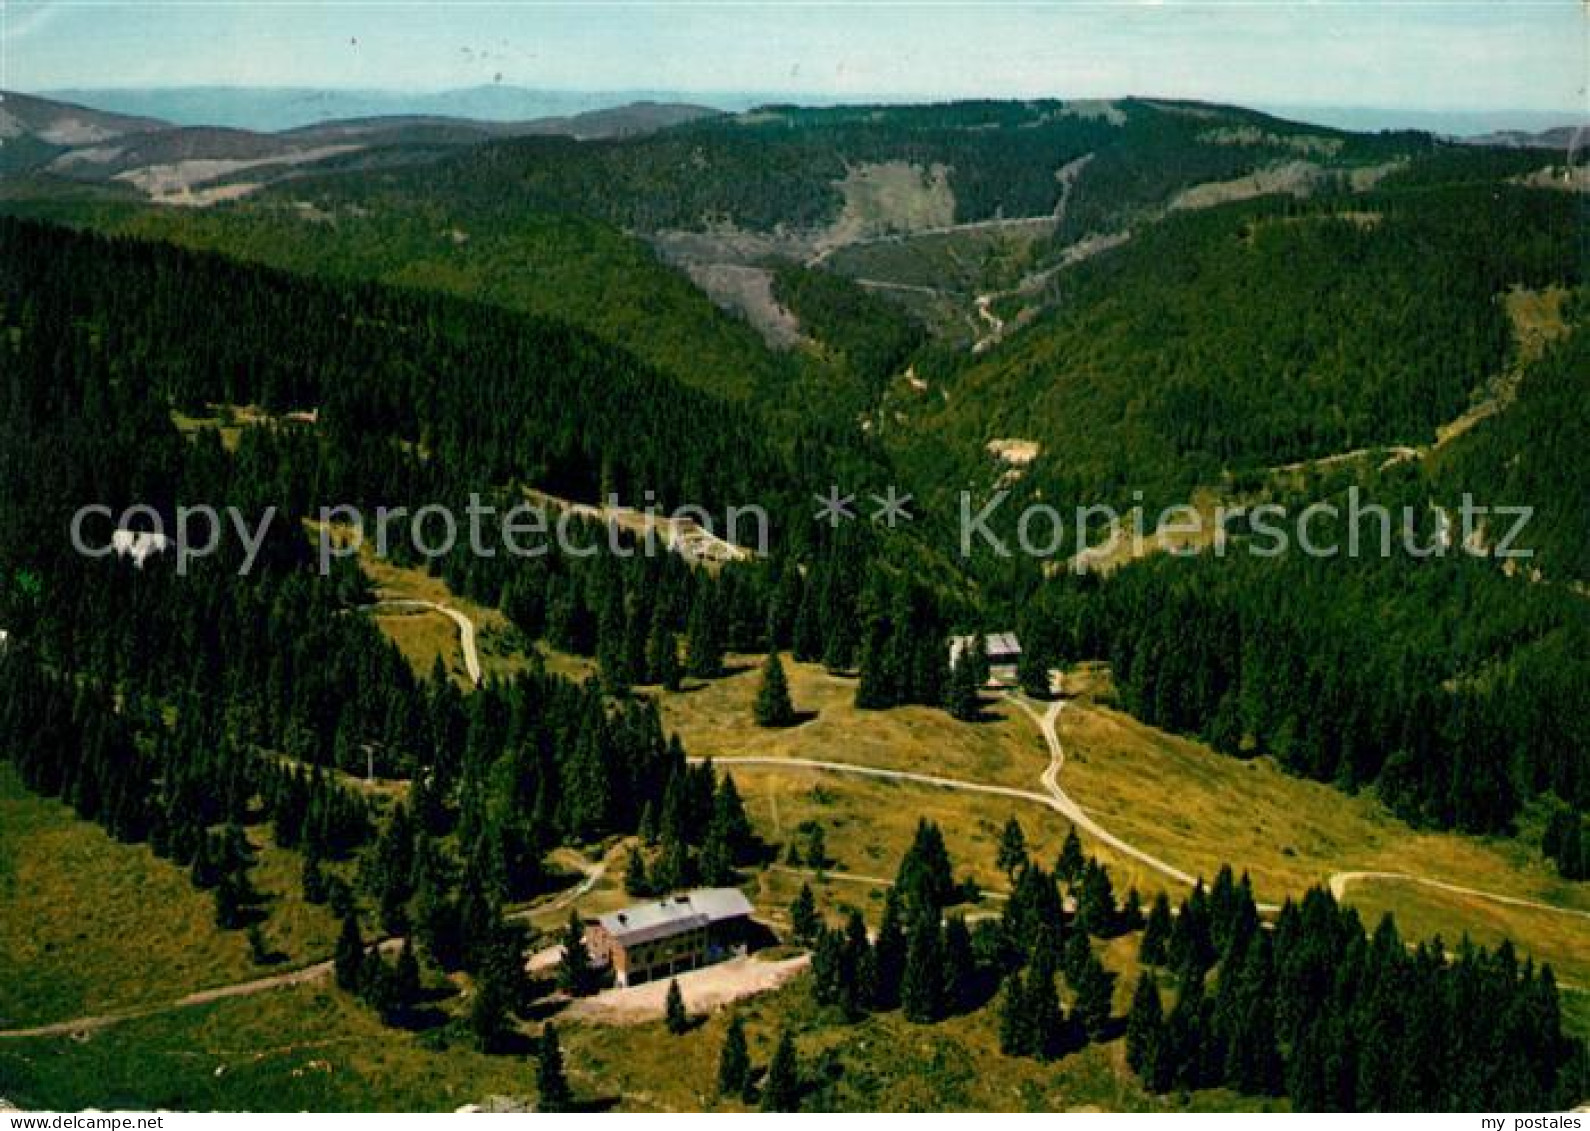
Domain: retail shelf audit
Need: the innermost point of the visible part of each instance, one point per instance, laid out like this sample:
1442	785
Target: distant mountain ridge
270	109
213	161
1562	138
1447	123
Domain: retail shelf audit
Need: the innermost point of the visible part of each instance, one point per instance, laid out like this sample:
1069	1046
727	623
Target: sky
1428	54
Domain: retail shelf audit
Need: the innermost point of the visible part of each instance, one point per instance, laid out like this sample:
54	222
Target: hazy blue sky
1425	53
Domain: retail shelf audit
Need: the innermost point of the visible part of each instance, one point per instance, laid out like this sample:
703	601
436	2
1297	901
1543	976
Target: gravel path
466	628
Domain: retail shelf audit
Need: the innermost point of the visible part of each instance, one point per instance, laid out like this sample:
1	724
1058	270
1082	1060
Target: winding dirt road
301	976
1056	798
1342	880
1053	796
466	628
79	1025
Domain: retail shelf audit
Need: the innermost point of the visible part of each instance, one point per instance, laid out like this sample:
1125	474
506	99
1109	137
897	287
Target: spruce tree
1072	860
703	647
1573	858
717	857
229	900
961	698
805	922
436	916
922	981
960	965
376	986
349	954
781	1090
675	868
815	851
552	1086
1184	1036
1075	954
729	809
872	690
1153	951
1093	987
1096	913
259	951
1012	848
406	982
925	879
674	1014
1043	1007
1145	1029
858	968
1132	911
1032	672
662	654
577	976
773	707
889	954
729	836
734	1062
636	882
1015	1019
1191	945
828	972
313	879
389	871
488	1014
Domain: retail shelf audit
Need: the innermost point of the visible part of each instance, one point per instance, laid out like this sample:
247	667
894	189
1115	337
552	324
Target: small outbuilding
1002	651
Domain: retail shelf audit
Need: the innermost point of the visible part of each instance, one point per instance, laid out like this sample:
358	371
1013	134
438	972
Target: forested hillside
177	709
1532	452
573	269
1448	686
488	397
1255	335
780	166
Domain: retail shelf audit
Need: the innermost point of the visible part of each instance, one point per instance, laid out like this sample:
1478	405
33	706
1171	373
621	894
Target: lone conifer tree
406	982
674	1014
773	707
805	922
781	1091
734	1062
551	1084
350	953
1012	848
